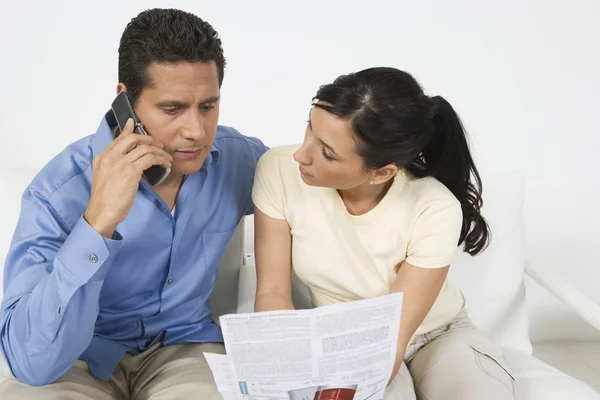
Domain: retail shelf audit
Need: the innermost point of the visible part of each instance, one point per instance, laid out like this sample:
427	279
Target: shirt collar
104	136
213	156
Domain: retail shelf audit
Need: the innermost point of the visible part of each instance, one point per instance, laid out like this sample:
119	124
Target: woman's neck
362	199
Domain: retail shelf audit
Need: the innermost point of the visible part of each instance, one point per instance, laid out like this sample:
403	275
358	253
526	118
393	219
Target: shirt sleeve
434	238
53	277
256	149
268	191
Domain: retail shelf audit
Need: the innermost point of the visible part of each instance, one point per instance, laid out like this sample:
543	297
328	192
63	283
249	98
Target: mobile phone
123	110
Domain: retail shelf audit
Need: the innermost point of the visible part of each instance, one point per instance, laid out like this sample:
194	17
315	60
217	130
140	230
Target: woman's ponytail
448	159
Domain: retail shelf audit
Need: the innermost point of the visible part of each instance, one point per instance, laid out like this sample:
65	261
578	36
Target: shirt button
93	258
170	281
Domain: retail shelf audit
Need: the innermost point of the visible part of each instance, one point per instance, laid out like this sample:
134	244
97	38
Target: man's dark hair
165	36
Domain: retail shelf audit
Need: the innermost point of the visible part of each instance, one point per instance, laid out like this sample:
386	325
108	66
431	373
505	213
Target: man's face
180	108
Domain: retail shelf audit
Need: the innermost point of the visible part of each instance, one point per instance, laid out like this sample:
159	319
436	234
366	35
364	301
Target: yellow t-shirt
341	257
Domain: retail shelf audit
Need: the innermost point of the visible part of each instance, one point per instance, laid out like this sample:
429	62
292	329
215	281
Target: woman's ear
384	174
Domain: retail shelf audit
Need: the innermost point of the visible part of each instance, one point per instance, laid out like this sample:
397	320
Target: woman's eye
327	156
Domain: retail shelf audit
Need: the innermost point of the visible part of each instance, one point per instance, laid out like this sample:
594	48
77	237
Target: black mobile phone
123	110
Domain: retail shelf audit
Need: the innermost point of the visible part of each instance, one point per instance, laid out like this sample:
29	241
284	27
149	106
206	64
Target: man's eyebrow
172	103
181	104
212	99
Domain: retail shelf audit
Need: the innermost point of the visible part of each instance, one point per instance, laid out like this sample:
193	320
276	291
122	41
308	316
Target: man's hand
116	175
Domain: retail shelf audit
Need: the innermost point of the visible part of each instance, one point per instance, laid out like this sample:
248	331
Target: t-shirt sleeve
434	238
268	192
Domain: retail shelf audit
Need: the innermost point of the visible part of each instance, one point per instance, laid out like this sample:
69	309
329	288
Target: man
107	278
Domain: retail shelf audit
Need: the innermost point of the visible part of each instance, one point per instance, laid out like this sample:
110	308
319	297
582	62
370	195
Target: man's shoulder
227	132
67	166
229	138
237	148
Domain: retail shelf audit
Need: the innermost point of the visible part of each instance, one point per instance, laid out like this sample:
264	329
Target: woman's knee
462	367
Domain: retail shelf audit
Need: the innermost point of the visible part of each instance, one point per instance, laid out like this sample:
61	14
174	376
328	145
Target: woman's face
328	155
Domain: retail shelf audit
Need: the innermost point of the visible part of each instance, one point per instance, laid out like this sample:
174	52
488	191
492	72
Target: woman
375	201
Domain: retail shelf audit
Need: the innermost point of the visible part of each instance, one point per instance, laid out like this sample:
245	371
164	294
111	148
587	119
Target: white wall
522	76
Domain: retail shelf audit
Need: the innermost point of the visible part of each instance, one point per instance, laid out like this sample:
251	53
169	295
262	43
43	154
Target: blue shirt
71	293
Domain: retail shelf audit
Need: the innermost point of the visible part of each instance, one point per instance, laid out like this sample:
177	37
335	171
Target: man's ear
120	87
384	174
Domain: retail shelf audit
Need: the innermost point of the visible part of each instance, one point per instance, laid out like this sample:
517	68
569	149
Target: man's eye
171	111
206	108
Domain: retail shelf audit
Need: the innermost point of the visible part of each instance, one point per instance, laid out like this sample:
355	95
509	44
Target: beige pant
454	362
159	373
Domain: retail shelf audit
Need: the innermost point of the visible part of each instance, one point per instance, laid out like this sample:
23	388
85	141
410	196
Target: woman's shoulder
278	164
282	155
428	190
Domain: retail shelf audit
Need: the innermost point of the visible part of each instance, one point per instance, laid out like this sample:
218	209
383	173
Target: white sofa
493	284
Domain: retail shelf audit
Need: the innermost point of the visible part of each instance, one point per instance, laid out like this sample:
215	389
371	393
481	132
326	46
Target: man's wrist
106	229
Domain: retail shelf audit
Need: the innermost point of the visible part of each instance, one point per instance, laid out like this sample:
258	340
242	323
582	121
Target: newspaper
306	354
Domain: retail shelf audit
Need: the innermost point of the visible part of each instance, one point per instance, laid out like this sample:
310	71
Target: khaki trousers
454	362
159	373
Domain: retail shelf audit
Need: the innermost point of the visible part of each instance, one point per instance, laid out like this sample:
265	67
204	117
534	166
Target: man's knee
178	372
77	383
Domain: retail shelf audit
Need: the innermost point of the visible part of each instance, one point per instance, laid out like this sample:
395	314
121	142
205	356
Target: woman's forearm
400	351
421	287
272	302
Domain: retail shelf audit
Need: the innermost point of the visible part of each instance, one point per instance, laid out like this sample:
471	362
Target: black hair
395	122
165	36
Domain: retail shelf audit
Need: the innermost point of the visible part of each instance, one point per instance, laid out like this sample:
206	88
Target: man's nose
194	128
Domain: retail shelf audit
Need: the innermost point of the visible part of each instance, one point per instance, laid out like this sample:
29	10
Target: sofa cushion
492	282
538	380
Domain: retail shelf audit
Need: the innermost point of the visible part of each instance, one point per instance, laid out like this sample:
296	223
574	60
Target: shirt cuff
86	254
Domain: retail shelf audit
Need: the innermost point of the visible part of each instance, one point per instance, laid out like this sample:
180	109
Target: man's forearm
47	327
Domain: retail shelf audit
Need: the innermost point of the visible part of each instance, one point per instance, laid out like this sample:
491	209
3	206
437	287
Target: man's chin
187	167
